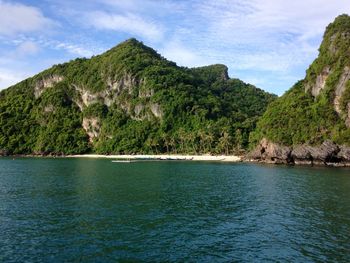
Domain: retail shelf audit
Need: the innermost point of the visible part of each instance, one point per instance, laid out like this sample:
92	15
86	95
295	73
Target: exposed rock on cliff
92	127
320	83
340	88
156	110
46	83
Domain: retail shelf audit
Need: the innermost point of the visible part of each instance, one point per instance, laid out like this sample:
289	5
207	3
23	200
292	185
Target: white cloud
270	42
27	48
127	23
148	7
18	18
11	77
271	37
176	51
280	31
73	49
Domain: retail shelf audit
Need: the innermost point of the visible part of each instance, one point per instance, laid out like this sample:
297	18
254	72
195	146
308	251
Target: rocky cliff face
315	111
332	67
320	83
45	83
92	126
111	94
328	153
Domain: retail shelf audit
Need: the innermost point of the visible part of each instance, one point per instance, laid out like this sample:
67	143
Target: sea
94	210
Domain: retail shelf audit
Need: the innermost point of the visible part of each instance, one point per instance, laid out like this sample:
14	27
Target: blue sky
268	43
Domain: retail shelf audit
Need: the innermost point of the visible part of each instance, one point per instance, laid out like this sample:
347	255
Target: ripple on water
93	210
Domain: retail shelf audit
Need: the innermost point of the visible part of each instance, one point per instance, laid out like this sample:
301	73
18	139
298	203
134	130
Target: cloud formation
27	48
257	39
127	23
10	77
19	18
269	43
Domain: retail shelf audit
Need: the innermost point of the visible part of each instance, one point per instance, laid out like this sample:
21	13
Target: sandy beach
217	158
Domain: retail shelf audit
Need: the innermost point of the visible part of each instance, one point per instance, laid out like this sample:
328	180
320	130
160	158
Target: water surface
72	210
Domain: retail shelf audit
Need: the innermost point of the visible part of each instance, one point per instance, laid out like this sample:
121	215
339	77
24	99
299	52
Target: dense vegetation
298	117
134	101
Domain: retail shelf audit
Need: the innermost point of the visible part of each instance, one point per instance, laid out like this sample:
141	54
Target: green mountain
129	100
316	108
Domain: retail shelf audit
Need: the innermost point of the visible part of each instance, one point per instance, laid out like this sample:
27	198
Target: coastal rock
327	152
305	154
302	155
270	152
344	154
4	152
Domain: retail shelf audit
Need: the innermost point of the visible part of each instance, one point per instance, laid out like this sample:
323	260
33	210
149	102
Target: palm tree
182	138
190	138
172	143
166	141
224	142
209	139
201	134
238	140
155	143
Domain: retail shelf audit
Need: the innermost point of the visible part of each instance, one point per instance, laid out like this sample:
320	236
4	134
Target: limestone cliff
313	117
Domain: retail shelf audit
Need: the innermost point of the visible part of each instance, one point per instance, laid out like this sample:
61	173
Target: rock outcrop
112	95
344	154
269	152
4	152
46	83
328	153
302	154
340	88
92	127
156	110
320	83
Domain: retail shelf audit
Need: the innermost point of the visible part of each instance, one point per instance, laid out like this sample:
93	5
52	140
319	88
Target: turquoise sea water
79	210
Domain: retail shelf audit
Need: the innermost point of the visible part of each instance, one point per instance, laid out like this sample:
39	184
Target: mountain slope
129	100
316	110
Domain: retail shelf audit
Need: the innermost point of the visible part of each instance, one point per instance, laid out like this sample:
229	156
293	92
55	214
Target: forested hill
313	117
129	100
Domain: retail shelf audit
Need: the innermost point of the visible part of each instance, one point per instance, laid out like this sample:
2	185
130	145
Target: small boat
121	161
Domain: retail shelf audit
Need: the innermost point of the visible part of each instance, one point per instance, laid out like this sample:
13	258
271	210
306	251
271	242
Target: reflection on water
95	210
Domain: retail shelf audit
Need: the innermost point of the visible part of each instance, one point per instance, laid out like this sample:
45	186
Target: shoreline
182	157
163	157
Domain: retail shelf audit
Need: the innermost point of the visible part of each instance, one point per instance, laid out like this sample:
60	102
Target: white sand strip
222	158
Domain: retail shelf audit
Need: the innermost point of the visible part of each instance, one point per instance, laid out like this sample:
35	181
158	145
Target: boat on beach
150	158
122	161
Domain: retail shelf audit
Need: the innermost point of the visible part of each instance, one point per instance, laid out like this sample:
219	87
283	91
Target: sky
268	43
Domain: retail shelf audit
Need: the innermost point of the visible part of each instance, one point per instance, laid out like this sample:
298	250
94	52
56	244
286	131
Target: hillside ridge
310	123
129	100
